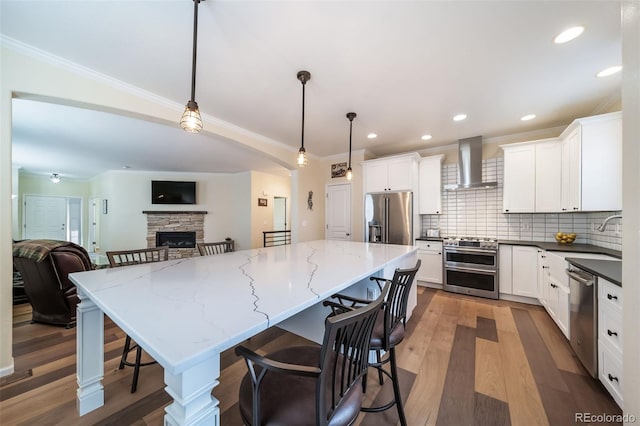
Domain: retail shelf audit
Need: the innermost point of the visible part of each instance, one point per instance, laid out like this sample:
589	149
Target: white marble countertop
182	311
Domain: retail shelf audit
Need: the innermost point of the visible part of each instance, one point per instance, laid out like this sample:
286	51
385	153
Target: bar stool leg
379	361
136	369
396	387
125	352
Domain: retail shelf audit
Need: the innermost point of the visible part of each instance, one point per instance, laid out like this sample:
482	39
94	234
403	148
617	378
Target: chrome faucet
602	227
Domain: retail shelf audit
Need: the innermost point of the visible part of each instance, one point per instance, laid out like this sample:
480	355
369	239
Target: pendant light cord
195	49
350	131
304	83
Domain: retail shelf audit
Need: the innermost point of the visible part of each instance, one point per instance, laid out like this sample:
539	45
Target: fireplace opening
176	239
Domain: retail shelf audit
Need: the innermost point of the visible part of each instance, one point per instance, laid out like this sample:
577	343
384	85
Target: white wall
267	186
129	194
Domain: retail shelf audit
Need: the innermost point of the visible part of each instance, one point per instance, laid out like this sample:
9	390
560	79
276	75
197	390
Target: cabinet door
602	162
375	177
430	185
548	177
400	174
505	276
543	277
519	191
431	268
571	169
525	271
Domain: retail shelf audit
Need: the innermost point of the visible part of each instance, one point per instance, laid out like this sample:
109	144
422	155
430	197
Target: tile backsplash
478	213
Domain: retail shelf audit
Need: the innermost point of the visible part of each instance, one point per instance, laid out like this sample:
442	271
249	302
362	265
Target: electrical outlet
372	293
618	229
594	227
525	225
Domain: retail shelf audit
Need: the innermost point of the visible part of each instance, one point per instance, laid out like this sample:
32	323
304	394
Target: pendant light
191	120
350	116
55	178
303	76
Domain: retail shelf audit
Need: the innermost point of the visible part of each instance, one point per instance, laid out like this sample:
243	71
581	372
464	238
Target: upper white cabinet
431	184
580	171
519	192
397	173
592	164
548	176
532	174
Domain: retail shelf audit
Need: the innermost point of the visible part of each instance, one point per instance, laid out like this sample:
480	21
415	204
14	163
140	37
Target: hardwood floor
464	361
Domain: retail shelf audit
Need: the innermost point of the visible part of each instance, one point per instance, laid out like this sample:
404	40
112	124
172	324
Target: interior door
338	212
279	213
45	217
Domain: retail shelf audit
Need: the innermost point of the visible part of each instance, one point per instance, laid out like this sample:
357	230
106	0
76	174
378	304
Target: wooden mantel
173	212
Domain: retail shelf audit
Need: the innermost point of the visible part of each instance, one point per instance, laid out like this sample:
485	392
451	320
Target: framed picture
262	202
338	170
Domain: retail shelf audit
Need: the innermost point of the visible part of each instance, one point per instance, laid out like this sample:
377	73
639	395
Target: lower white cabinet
610	337
525	271
430	253
554	288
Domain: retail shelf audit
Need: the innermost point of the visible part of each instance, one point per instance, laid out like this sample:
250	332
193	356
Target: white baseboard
8	370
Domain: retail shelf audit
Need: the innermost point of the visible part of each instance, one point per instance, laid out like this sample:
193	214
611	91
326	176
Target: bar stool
388	332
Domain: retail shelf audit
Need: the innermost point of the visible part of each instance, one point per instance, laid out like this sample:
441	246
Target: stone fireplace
180	230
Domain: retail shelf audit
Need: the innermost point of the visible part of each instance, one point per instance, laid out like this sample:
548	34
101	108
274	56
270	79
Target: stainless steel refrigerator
389	218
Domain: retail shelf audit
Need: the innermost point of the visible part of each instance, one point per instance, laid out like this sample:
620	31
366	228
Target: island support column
90	355
191	392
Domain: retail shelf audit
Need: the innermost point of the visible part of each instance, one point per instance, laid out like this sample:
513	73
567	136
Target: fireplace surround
180	230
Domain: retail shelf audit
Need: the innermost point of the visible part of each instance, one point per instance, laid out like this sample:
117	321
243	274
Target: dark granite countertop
572	248
608	269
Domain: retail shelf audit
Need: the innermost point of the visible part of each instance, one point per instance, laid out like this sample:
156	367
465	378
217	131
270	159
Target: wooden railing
276	238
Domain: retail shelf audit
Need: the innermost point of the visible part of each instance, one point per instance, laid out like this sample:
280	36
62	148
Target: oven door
471	258
475	282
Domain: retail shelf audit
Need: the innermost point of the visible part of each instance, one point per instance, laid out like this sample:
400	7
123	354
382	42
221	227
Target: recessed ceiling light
568	35
528	117
609	71
459	117
372	136
425	137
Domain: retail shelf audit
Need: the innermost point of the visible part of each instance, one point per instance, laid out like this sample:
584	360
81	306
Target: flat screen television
173	192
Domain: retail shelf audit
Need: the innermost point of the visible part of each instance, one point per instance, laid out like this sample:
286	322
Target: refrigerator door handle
386	220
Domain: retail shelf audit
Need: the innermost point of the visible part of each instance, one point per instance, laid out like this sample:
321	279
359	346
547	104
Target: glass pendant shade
349	174
191	120
55	178
302	157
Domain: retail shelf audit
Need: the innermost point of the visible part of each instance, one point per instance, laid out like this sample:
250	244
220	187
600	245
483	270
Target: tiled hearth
175	221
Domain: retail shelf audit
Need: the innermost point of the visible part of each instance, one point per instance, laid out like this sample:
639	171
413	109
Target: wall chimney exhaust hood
470	166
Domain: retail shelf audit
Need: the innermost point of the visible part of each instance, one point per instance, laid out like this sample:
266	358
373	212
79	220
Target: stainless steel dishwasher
583	312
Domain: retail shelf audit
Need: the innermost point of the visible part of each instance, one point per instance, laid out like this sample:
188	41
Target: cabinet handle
612	378
437	211
439	253
612	333
612	297
506	210
575	208
545	267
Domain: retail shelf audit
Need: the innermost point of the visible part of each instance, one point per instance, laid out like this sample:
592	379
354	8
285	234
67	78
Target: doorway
54	218
338	213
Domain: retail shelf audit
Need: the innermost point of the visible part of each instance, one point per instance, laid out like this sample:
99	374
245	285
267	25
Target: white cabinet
610	338
431	184
548	176
532	176
430	253
505	273
519	190
397	173
525	271
592	164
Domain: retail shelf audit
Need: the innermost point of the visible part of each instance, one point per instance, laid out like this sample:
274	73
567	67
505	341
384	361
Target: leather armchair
45	266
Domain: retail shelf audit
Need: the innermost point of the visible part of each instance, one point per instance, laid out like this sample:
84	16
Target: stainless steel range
471	266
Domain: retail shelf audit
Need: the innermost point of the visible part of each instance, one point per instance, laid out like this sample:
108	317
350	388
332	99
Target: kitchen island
185	312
